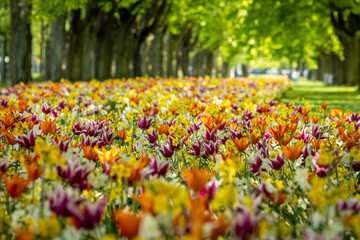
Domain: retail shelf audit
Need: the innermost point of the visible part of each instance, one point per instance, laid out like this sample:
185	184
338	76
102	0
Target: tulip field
192	158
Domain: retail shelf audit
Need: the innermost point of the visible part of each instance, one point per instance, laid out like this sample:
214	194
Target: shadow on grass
316	93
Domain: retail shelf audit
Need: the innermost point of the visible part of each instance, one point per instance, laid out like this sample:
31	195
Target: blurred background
86	39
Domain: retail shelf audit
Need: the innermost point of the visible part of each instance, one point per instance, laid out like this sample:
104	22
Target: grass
316	93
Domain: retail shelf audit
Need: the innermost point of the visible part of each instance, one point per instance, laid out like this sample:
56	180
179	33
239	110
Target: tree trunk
171	56
75	50
47	63
143	59
199	64
20	45
352	61
156	54
57	47
338	69
244	70
225	72
104	45
185	52
209	63
3	55
88	62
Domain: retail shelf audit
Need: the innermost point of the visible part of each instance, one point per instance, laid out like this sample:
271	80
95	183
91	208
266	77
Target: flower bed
158	158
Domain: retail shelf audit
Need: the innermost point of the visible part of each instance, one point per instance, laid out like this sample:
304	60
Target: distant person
294	75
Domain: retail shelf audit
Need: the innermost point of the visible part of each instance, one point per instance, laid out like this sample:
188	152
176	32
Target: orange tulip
241	144
221	225
146	203
278	133
350	143
199	215
48	126
208	122
89	152
127	223
107	156
261	123
254	139
317	143
163	129
315	120
29	159
218	118
196	179
336	113
25	235
294	119
8	120
324	106
136	171
16	185
10	138
305	111
135	99
34	171
293	152
278	198
310	176
122	134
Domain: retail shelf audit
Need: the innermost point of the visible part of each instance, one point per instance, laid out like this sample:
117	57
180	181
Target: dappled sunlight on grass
316	93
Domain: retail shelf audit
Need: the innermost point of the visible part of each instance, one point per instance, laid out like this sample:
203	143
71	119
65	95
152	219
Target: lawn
316	93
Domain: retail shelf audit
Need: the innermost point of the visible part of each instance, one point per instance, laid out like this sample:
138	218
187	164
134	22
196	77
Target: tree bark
75	50
156	54
20	45
47	64
3	55
225	72
352	61
244	70
143	59
171	55
209	63
347	29
104	45
57	47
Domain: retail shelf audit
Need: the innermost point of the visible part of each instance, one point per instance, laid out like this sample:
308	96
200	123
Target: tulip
122	134
145	123
34	171
167	151
196	148
152	137
196	179
16	185
210	149
293	152
88	215
278	162
75	173
27	140
350	204
48	127
5	165
127	223
46	109
245	224
64	145
242	143
157	168
255	167
62	202
210	136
